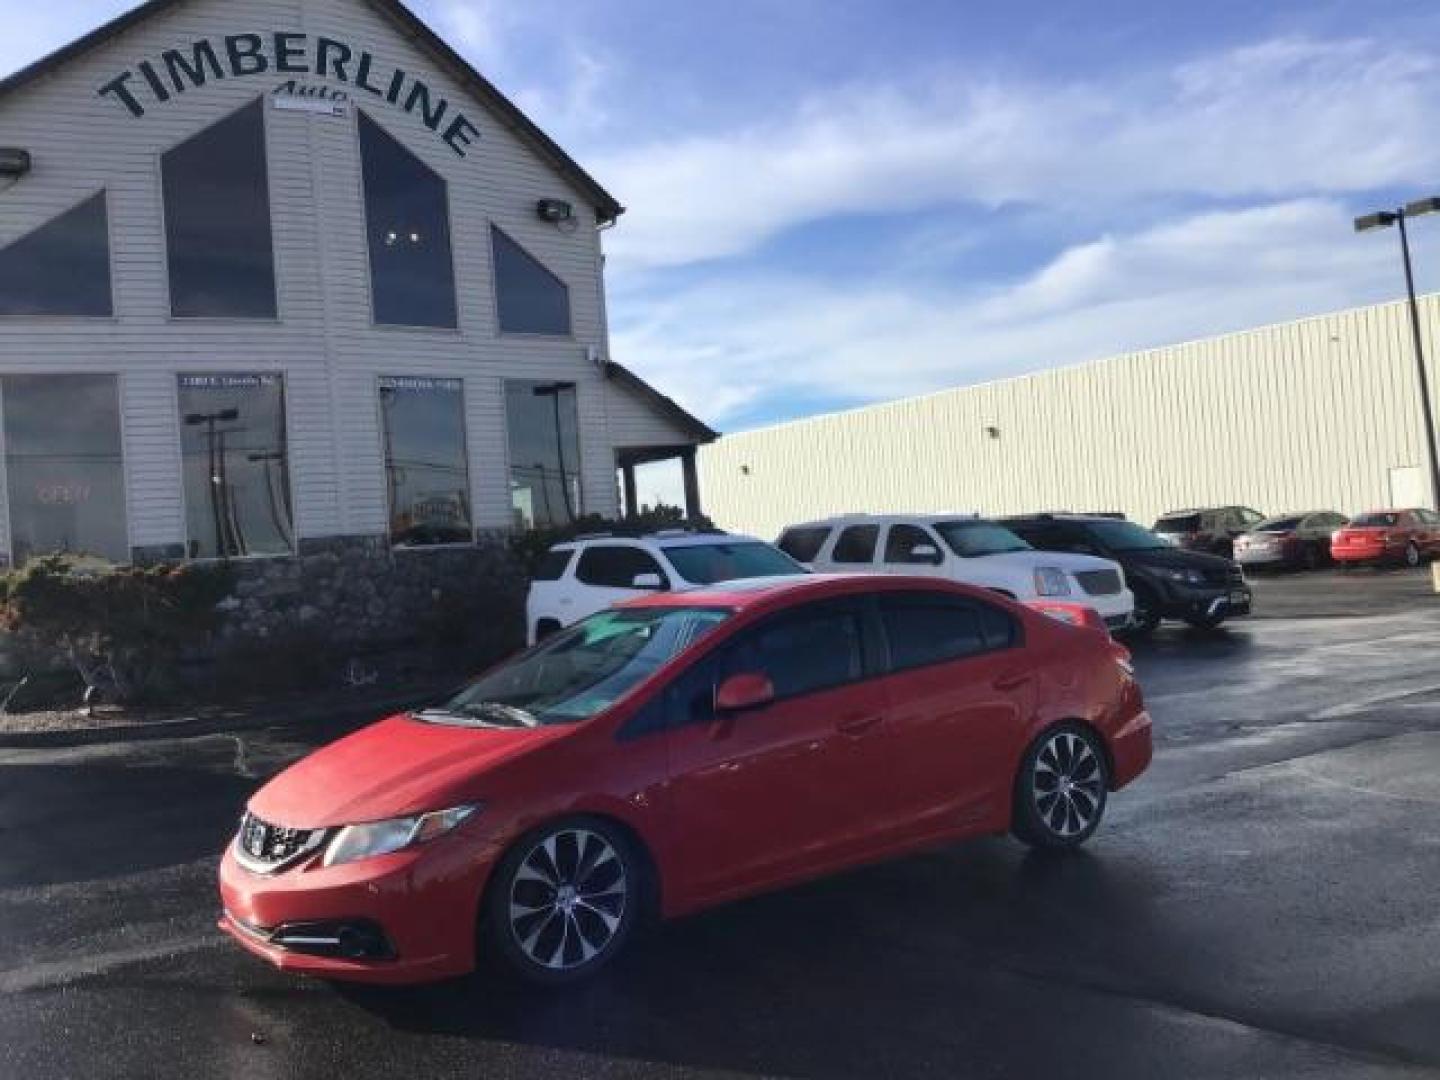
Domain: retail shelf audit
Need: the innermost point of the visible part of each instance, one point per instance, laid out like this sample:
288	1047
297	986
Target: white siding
1306	415
324	340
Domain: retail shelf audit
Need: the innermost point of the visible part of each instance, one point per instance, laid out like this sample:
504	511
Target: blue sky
843	202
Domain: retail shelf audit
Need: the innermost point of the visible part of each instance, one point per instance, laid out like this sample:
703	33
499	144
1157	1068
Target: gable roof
607	207
667	407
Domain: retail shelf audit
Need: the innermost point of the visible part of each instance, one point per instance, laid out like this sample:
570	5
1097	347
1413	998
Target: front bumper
422	904
1358	553
1207	602
1263	557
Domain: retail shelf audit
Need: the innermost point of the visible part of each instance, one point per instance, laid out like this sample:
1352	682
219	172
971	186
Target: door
607	573
771	792
1408	486
911	549
957	697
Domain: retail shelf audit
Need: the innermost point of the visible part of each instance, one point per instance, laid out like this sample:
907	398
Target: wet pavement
1262	903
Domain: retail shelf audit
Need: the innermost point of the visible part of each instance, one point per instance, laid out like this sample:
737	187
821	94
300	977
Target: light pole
1383	219
553	392
209	422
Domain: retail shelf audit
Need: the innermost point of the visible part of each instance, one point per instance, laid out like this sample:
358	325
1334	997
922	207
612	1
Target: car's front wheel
1061	789
564	901
1412	554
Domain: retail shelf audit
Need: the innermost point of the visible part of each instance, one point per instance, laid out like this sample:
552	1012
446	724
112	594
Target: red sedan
1401	536
675	753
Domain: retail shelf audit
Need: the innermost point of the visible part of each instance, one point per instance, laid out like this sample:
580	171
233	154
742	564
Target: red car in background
674	753
1400	536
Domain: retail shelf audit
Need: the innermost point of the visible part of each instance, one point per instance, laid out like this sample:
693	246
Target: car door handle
1012	681
858	724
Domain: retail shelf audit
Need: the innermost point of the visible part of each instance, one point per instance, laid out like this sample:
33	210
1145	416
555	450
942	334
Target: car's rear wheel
1146	617
1412	554
564	901
1061	790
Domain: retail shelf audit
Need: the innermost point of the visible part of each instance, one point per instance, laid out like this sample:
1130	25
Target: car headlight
1189	577
1051	581
382	837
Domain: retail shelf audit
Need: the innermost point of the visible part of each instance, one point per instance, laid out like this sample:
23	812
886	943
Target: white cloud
725	346
41	29
1272	120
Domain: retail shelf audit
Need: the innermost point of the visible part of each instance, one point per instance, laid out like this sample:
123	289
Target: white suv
588	574
961	548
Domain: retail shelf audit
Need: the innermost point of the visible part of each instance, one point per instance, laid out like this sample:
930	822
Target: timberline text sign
239	56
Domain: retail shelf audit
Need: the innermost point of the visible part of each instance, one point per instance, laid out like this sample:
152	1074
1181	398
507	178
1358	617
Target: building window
236	465
426	474
217	221
62	269
544	429
412	274
530	299
65	475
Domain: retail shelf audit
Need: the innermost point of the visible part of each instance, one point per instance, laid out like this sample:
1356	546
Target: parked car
675	753
1289	541
588	574
959	548
1168	582
1212	530
1402	536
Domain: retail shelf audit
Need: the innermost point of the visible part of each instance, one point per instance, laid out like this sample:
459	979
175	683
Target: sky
841	202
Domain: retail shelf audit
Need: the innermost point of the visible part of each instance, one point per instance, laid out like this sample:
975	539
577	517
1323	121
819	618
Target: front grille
269	847
1100	582
1226	575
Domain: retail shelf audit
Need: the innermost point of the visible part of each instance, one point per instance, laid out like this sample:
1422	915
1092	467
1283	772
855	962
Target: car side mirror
746	690
925	553
648	582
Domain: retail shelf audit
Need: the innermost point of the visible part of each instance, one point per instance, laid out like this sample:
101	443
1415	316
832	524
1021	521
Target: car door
958	691
776	791
855	547
1429	524
606	575
912	549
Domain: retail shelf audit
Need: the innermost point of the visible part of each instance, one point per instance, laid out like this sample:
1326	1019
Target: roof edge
693	426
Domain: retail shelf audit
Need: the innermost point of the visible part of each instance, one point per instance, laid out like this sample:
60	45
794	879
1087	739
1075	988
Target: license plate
1238	597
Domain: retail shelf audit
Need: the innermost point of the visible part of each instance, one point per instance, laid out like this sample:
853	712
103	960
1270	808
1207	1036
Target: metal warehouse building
1320	413
284	273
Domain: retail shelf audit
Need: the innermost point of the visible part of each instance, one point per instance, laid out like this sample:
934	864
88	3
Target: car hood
1030	560
1177	559
396	767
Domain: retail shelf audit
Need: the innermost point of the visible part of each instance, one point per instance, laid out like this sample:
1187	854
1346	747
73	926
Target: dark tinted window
1187	523
856	544
615	567
427	479
544	431
64	473
930	629
236	465
705	564
1375	521
412	275
62	269
552	566
804	544
901	542
1124	536
803	652
1282	524
973	539
530	299
217	221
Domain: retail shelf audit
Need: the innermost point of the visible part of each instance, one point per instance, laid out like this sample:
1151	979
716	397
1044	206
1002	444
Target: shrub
529	547
122	628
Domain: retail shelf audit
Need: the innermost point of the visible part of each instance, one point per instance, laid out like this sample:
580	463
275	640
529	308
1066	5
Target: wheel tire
1311	559
1145	619
545	628
564	901
1205	622
1062	774
1412	555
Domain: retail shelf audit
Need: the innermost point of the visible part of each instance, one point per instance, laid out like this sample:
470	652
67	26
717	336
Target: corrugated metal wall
1302	415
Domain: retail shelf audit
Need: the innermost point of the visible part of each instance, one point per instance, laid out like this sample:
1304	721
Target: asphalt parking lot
1262	903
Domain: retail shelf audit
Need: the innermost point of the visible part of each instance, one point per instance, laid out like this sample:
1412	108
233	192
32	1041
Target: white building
275	272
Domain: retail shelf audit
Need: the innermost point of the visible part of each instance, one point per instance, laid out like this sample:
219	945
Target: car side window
552	567
926	628
1073	539
856	544
616	567
803	544
801	652
901	542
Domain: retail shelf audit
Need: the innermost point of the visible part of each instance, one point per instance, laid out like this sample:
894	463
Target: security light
1382	219
1422	206
554	211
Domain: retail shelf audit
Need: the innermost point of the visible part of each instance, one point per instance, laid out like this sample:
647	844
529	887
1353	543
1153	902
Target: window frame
525	335
1017	636
465	454
8	550
404	328
285	400
276	276
114	316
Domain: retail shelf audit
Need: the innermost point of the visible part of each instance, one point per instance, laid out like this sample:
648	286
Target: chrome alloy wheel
568	898
1068	784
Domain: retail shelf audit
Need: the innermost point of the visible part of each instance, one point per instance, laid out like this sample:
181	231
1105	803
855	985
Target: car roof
670	538
883	519
750	593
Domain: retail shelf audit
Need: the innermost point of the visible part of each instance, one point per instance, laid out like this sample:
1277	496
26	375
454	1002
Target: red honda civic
681	751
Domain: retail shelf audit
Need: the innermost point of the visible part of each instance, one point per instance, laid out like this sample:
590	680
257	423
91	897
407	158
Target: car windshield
1376	521
1184	523
705	564
1125	536
580	671
1280	524
971	539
